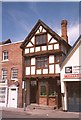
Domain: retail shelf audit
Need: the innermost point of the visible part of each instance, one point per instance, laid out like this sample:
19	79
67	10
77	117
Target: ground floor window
42	88
52	88
2	94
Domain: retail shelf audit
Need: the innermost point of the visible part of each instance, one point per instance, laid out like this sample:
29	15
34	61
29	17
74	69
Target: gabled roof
72	50
5	42
48	29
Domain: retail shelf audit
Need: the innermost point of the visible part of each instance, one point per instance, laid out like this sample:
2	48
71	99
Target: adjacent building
10	74
43	51
71	79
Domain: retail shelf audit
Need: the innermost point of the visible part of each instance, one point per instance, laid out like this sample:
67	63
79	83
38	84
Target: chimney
64	30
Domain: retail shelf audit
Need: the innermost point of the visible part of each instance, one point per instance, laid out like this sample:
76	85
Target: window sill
5	60
13	79
43	96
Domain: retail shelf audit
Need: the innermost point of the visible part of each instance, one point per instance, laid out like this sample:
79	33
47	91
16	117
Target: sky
18	18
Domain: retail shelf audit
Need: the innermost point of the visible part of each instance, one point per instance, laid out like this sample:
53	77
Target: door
33	92
74	96
12	97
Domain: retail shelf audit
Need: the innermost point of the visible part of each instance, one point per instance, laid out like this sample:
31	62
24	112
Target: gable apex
47	28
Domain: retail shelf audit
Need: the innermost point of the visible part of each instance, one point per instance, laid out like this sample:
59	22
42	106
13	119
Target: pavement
42	113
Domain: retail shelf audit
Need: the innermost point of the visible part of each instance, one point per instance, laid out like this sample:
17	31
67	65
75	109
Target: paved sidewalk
41	113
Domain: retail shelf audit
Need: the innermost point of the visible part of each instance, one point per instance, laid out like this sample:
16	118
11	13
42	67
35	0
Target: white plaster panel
37	31
32	61
33	40
44	48
51	68
37	49
53	41
51	59
40	28
45	71
50	47
31	50
49	37
43	30
33	70
56	46
38	71
29	44
26	50
57	68
27	70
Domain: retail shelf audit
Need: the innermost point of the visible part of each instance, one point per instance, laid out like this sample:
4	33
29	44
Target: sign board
72	72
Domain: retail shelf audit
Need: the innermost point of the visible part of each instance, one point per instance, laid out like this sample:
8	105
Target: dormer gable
41	34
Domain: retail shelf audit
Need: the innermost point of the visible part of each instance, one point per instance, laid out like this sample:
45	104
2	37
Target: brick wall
14	60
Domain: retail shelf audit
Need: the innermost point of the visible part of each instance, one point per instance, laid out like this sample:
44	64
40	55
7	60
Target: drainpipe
24	96
65	97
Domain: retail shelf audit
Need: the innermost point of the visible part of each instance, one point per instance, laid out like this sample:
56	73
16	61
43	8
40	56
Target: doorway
33	91
12	101
74	96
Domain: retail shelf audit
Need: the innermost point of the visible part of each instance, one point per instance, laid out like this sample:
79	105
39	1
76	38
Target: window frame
43	39
29	64
14	73
5	55
43	84
41	62
4	75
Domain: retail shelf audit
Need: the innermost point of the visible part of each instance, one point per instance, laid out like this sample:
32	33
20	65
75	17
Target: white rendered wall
51	68
51	59
27	70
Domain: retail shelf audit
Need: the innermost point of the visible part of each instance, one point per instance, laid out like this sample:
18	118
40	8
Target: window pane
37	40
4	74
52	89
28	61
41	62
41	39
42	88
5	55
57	58
14	73
44	38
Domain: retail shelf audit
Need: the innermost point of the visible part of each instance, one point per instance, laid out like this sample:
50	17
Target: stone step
44	107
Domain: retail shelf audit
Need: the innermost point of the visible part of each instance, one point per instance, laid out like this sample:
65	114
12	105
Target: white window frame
13	73
5	54
4	74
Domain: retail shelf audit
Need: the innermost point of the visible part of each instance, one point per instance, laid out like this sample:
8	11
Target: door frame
9	95
36	91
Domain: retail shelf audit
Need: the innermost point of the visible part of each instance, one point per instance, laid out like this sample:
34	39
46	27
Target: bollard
24	106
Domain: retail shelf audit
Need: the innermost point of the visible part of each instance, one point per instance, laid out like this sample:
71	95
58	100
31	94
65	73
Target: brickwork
14	60
43	101
52	101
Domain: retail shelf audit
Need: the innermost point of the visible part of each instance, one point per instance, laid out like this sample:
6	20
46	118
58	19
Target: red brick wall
52	101
15	60
42	100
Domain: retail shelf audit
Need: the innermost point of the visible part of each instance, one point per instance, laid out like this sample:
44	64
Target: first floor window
43	88
14	73
41	62
4	75
28	61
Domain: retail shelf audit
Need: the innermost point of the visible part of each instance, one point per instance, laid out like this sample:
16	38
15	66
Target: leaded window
41	62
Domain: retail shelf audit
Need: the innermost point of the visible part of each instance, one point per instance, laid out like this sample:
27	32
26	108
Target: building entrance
33	92
74	96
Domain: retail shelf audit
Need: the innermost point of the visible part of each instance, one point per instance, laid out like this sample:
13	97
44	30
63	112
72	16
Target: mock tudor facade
71	79
43	50
10	74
